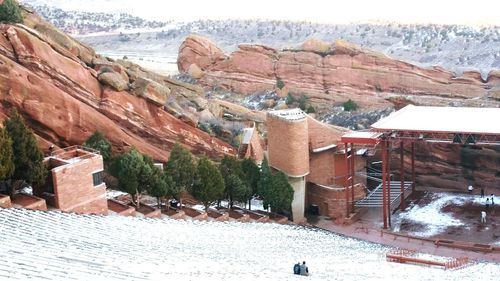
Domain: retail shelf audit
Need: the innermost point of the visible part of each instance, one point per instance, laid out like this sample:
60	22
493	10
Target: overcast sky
476	12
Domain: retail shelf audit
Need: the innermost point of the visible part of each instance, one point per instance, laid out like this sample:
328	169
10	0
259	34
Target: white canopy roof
442	120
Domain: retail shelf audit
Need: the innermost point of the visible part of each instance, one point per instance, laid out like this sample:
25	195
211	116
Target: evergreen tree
160	184
181	168
98	142
28	158
280	196
6	156
10	12
264	186
252	176
230	166
209	184
350	105
129	169
241	192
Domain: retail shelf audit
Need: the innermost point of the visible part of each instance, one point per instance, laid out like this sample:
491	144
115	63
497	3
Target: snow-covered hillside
57	246
149	30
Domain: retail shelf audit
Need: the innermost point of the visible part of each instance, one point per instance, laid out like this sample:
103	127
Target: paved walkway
368	231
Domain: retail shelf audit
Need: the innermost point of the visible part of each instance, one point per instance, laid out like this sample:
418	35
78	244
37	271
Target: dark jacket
296	269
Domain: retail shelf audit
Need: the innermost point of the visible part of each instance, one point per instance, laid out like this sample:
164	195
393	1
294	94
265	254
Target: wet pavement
369	228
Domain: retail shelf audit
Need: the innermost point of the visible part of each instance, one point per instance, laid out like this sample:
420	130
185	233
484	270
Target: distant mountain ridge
458	48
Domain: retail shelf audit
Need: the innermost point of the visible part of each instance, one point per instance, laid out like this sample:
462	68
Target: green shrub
280	84
350	105
310	109
289	99
10	12
302	101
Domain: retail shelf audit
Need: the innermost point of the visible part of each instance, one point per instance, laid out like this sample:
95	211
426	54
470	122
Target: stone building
311	154
251	145
75	183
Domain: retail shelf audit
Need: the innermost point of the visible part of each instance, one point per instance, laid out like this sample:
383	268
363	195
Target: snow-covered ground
430	216
58	246
164	64
111	193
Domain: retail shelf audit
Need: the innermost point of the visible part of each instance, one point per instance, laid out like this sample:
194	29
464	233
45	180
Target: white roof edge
321	149
471	120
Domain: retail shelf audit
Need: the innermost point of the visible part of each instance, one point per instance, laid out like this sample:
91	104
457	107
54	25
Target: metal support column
402	175
353	173
384	182
413	178
348	178
388	169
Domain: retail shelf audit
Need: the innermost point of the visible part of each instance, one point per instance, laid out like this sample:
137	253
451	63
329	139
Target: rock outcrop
66	92
326	72
453	167
333	73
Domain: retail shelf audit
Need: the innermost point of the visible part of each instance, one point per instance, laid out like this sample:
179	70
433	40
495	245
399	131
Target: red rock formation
58	93
200	49
333	74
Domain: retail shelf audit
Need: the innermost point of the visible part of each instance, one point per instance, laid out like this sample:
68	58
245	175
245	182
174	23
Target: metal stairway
375	197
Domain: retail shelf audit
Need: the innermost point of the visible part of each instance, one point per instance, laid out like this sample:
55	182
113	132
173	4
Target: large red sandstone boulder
494	77
151	90
114	80
316	46
200	50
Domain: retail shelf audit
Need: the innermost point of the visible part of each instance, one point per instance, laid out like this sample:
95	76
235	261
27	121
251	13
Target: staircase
242	151
375	198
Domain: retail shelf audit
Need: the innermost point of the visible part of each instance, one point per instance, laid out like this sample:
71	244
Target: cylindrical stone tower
288	150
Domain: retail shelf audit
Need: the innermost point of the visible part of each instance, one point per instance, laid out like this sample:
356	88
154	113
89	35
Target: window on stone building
98	178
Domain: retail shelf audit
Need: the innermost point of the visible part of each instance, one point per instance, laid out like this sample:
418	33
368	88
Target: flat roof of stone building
292	114
71	155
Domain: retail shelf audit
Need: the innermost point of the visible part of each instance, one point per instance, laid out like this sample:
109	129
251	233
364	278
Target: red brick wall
341	170
322	168
331	201
288	145
39	205
120	208
255	147
74	189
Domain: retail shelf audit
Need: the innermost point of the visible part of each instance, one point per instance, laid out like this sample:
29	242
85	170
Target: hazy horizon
481	12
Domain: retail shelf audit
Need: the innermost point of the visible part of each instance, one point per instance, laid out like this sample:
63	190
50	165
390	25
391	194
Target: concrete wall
299	198
74	189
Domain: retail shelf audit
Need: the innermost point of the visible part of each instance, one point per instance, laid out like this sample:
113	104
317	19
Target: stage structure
448	125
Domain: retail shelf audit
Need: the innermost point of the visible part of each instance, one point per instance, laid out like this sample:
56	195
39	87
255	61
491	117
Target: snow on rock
59	246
